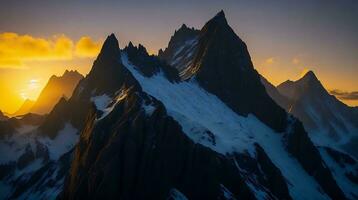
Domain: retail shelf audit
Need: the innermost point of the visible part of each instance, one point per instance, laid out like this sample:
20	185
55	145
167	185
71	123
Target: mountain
173	133
328	120
137	127
181	47
331	125
25	108
2	116
56	87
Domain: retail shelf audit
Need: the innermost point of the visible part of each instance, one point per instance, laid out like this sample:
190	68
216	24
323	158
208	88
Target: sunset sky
285	38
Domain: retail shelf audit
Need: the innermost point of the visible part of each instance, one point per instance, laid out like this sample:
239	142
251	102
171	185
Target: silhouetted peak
138	50
130	44
110	46
160	52
62	100
142	49
183	26
219	18
309	77
71	73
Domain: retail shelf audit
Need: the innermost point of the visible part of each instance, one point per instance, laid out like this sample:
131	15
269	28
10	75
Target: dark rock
149	65
27	157
223	66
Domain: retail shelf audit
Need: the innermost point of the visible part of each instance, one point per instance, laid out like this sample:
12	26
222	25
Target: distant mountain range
195	122
56	88
329	121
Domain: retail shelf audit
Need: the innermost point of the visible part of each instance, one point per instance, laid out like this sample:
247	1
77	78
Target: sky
285	38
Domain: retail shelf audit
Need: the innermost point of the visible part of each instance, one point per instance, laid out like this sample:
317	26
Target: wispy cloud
270	60
296	61
86	47
345	95
17	49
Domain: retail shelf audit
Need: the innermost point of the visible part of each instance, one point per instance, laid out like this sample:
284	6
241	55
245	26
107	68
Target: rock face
56	88
181	49
126	152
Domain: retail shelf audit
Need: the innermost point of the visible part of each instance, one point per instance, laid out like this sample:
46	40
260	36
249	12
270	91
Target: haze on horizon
285	38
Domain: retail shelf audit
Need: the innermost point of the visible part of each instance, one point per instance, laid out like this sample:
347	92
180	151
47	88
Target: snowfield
208	121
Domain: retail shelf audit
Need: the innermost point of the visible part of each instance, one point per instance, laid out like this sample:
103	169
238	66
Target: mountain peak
110	46
219	18
310	79
71	73
310	76
183	26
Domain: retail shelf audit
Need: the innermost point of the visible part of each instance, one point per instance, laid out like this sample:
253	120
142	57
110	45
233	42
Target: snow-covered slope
208	121
29	160
329	122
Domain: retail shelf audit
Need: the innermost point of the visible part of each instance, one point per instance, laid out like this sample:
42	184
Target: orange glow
85	47
27	62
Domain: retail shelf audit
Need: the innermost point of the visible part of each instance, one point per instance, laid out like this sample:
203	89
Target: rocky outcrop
149	65
181	49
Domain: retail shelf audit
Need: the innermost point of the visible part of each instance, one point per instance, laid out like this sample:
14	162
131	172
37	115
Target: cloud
296	61
345	95
86	47
270	60
17	49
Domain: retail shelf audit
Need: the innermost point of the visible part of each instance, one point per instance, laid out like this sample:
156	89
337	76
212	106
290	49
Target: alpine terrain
194	122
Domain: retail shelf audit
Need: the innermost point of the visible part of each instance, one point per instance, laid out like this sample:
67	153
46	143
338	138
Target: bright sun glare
31	88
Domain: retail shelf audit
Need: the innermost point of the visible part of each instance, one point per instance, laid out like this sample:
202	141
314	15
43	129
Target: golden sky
27	62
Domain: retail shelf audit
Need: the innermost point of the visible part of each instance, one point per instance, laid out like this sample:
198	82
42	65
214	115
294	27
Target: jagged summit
149	64
110	47
222	65
71	73
308	84
309	76
219	18
183	26
56	87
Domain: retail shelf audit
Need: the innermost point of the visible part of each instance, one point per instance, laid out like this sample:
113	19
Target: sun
33	84
30	89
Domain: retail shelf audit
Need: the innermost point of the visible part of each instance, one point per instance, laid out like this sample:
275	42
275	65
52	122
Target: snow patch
101	101
227	193
177	195
350	189
149	109
106	104
64	141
